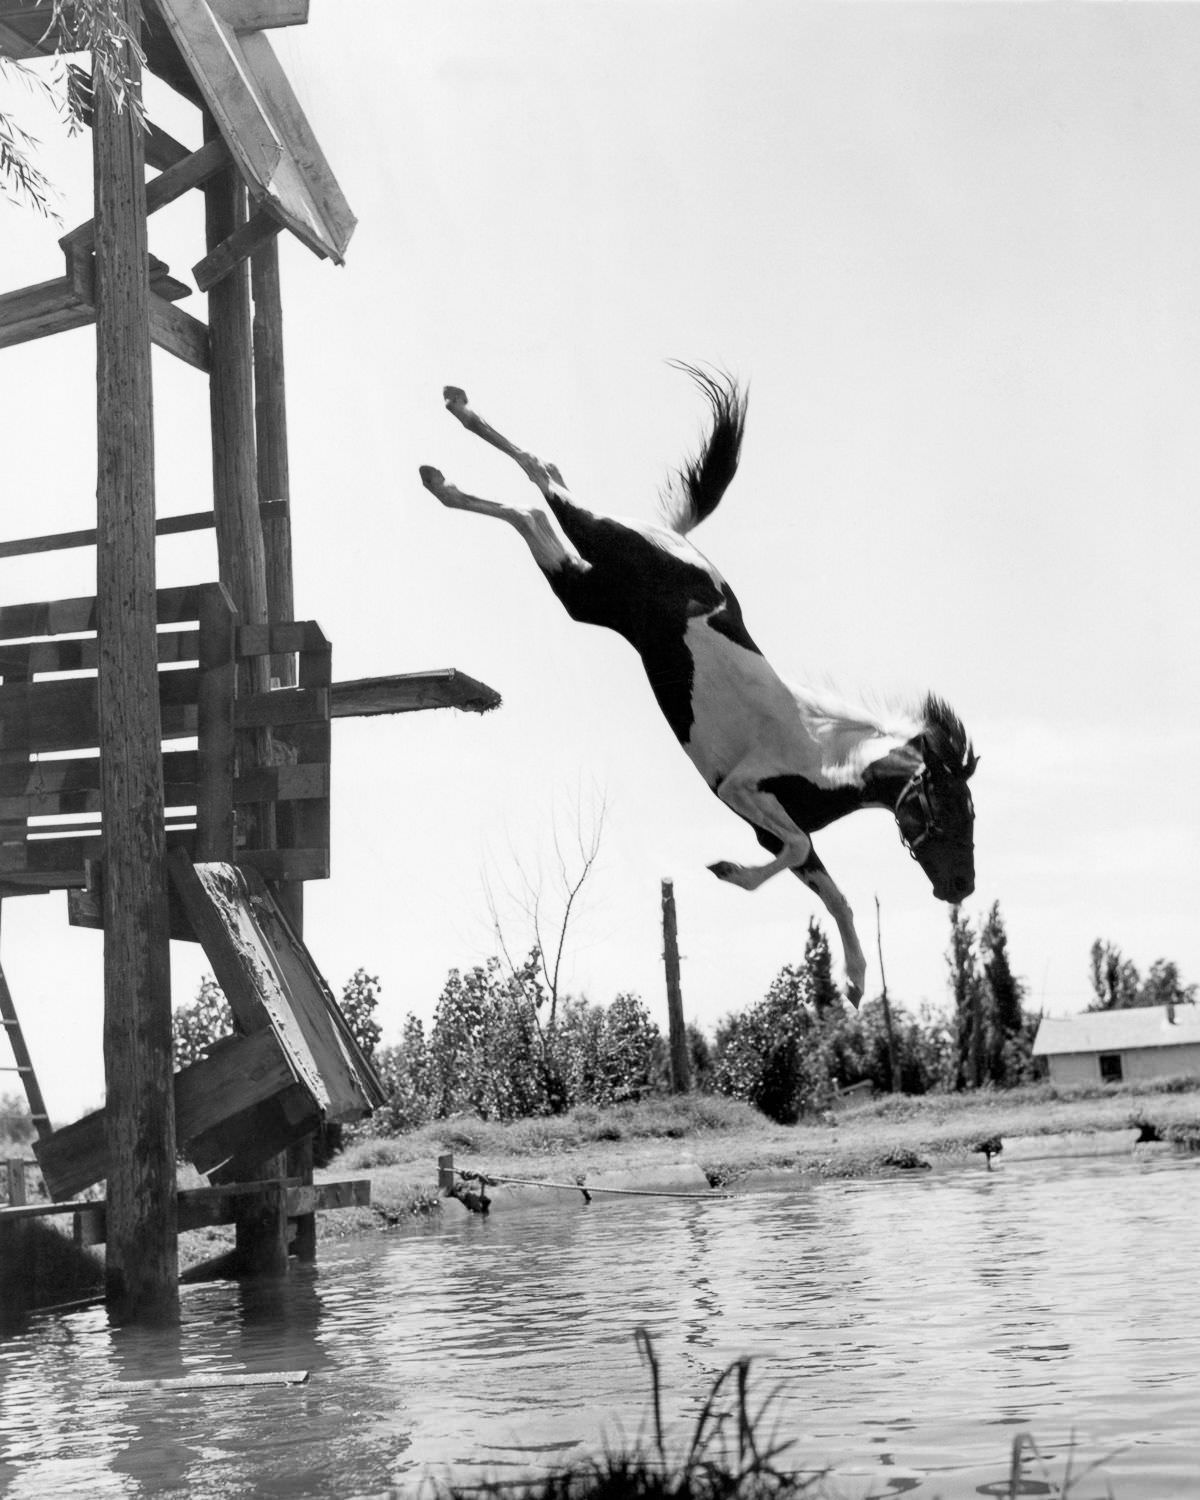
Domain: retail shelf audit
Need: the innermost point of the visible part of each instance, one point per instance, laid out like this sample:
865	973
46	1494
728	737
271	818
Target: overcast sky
955	252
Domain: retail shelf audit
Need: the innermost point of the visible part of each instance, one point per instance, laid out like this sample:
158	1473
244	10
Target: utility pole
681	1072
893	1059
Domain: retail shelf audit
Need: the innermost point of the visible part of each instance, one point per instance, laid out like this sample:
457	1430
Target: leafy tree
1004	993
16	1124
360	996
1115	980
99	28
203	1022
818	967
967	989
1117	985
404	1072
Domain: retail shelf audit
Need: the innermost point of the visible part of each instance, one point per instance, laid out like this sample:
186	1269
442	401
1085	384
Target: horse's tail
695	490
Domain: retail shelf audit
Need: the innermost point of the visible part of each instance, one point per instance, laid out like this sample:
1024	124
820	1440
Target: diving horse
788	760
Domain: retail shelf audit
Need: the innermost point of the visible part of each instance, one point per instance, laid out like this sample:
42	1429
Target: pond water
909	1327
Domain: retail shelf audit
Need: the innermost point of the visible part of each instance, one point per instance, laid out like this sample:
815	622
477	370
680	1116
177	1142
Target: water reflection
911	1327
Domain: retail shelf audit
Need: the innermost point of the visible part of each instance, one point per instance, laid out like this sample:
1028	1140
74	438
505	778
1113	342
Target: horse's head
934	811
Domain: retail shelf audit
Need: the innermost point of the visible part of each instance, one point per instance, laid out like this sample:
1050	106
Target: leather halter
916	788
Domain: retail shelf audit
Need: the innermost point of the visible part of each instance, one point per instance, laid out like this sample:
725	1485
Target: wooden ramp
293	1065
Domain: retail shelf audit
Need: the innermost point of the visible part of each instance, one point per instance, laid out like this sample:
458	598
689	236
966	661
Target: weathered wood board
238	1073
261	120
270	979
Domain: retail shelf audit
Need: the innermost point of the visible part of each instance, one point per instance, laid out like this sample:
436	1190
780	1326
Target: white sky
955	250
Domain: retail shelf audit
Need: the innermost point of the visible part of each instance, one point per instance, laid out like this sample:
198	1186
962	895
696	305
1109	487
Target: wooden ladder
24	1063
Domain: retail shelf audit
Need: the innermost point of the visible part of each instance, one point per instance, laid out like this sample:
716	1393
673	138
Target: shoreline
739	1150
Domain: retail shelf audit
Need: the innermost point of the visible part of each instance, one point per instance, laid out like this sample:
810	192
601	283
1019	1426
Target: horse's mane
947	739
844	727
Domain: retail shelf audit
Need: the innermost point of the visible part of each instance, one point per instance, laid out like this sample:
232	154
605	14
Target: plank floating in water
214	1380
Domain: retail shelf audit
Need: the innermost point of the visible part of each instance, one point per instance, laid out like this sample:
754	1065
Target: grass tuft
728	1457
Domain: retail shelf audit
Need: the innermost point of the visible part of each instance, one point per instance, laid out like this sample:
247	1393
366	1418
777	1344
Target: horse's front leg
817	878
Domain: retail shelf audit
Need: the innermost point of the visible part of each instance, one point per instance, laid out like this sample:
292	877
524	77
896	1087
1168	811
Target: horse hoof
432	479
724	869
453	396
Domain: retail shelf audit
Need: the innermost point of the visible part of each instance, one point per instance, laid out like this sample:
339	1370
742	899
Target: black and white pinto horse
787	760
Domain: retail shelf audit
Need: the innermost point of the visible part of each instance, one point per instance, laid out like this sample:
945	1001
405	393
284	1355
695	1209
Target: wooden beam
235	248
59	541
34	312
410	692
239	1072
170	184
142	1264
270	426
67	302
179	333
260	15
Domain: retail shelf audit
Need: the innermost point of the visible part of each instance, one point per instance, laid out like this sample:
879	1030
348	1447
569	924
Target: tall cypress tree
1002	998
967	988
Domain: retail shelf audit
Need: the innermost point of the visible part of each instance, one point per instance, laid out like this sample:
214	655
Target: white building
1106	1046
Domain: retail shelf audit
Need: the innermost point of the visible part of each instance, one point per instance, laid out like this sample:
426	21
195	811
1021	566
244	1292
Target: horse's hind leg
545	476
549	550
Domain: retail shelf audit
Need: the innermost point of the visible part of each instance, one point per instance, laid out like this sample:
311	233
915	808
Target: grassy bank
728	1141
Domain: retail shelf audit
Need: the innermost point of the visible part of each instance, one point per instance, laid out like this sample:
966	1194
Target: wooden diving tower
165	754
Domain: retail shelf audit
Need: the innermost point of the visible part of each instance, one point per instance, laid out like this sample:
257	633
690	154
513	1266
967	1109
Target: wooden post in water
142	1259
262	1225
681	1071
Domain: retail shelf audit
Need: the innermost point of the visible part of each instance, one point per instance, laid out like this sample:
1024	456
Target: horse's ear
969	764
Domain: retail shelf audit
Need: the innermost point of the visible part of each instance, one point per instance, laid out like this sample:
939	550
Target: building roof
1118	1030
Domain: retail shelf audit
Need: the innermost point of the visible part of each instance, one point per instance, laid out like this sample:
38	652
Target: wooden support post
270	429
681	1071
262	1230
142	1264
446	1172
270	424
15	1172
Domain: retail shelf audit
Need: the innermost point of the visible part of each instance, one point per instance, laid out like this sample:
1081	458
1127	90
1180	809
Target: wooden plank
63	714
162	150
320	1197
238	1148
75	616
276	865
59	541
298	783
410	692
180	334
81	272
270	979
217	1380
35	312
283	706
261	15
173	183
235	248
216	689
30	780
291	636
263	124
270	429
238	1073
202	1208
